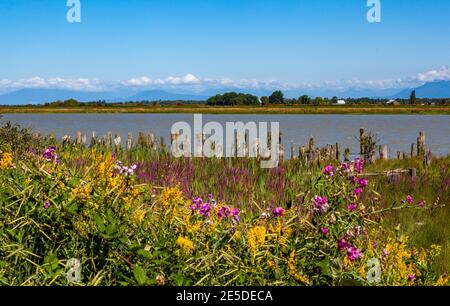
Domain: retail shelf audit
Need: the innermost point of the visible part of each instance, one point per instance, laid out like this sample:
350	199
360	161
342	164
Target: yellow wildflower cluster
81	192
399	262
292	270
256	237
185	244
138	215
172	196
6	161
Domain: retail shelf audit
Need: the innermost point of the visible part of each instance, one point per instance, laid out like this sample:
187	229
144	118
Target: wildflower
205	210
345	167
362	182
358	191
6	161
46	204
325	231
359	165
264	215
411	277
196	203
409	199
235	215
353	253
278	212
185	244
172	196
256	237
328	171
342	244
320	204
50	155
352	207
422	204
224	212
160	280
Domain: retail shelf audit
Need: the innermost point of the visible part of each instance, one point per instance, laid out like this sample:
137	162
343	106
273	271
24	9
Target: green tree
265	100
412	99
305	100
277	97
319	101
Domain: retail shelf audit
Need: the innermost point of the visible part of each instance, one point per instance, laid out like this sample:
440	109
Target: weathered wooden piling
347	154
129	141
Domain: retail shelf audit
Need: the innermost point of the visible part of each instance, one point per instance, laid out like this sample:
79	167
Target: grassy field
282	109
143	217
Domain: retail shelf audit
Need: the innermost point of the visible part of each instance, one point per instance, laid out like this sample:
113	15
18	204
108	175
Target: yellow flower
171	196
6	162
292	270
256	237
443	280
139	215
194	227
185	244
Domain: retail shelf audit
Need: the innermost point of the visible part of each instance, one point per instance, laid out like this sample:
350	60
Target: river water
396	131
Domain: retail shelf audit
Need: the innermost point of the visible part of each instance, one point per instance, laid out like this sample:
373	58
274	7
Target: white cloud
441	74
194	83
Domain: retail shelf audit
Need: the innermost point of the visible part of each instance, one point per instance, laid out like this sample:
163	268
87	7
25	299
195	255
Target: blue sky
238	42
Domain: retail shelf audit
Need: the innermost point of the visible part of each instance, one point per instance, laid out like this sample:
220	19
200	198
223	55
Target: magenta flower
342	244
409	199
196	203
411	277
46	204
422	204
345	167
205	210
325	231
362	182
320	204
235	215
357	191
353	253
278	212
359	165
224	212
328	171
352	207
50	155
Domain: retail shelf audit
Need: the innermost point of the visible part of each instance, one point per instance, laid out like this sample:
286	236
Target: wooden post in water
109	140
293	151
413	149
151	141
78	140
83	139
347	155
384	155
311	144
421	148
337	156
93	140
129	141
399	155
302	154
117	141
362	143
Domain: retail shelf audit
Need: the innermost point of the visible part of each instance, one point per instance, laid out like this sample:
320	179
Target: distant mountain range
439	89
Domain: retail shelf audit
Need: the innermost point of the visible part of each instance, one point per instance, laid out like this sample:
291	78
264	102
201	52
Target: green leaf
140	275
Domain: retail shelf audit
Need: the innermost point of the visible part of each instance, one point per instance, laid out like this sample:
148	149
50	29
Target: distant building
341	102
393	102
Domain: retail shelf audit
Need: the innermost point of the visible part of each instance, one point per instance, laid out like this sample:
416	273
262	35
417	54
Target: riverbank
281	109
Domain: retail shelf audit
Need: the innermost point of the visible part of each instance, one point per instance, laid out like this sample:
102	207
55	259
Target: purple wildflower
224	212
409	199
50	154
342	244
352	207
345	167
320	204
357	191
362	182
325	231
359	165
46	204
422	204
235	215
278	212
328	171
353	253
205	210
411	277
